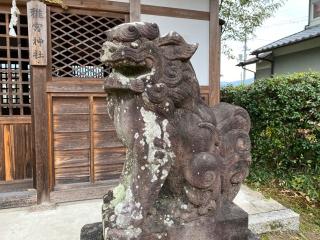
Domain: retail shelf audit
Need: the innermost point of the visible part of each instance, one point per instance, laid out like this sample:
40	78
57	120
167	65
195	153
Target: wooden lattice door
16	142
85	148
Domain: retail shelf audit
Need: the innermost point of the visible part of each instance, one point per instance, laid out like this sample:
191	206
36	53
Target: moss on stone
119	194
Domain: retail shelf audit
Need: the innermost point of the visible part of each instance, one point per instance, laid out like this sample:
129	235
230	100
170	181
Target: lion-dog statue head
185	160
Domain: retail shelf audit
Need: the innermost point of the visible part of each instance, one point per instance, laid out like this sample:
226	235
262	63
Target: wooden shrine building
57	143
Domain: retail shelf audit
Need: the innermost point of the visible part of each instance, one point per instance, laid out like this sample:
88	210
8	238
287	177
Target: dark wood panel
30	145
108	172
102	123
2	167
103	156
71	123
71	141
70	105
100	106
78	86
81	191
71	159
16	152
72	175
106	139
108	165
22	151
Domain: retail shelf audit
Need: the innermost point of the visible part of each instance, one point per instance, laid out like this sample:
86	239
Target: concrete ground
64	221
61	222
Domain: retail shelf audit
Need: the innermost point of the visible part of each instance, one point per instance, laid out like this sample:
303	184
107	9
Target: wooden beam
135	10
120	7
214	53
175	12
39	77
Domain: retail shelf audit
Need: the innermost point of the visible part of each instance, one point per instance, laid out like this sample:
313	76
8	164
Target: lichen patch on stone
119	193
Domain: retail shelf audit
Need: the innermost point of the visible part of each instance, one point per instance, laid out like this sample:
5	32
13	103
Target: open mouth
130	70
128	76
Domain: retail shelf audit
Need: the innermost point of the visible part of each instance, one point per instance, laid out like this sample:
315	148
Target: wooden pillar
40	129
38	52
214	53
135	10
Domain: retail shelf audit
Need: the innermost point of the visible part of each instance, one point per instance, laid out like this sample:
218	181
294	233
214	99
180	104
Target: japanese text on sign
37	29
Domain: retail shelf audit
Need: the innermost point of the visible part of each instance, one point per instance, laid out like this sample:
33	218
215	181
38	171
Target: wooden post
214	53
135	10
37	28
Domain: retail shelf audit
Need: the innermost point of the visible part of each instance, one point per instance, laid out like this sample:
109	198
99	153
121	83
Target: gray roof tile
309	33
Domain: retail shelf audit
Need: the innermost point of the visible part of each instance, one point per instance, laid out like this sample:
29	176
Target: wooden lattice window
14	68
76	43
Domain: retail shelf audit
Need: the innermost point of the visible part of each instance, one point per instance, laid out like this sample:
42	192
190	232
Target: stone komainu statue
185	161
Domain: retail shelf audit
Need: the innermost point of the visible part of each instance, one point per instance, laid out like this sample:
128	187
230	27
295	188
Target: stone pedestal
231	225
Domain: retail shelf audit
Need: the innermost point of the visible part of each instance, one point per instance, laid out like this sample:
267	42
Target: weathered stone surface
233	225
185	161
92	232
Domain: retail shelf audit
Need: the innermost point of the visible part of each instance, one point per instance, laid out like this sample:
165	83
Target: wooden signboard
37	29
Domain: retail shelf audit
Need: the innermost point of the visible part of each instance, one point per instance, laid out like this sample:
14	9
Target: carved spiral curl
203	170
236	141
133	32
157	92
172	71
149	30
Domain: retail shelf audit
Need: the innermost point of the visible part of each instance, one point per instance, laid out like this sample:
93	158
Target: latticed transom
76	43
14	68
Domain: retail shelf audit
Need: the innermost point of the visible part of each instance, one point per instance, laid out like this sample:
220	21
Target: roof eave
284	45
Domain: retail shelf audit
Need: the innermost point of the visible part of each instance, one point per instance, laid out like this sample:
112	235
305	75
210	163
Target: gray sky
289	19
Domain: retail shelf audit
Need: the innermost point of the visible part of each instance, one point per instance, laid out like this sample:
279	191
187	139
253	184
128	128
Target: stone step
266	215
18	199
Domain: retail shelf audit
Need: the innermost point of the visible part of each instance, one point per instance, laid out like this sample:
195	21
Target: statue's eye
132	28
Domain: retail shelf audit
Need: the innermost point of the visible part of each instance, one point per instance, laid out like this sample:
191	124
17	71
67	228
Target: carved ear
175	47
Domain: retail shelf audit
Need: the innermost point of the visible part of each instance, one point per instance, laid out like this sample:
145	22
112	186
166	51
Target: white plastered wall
193	31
